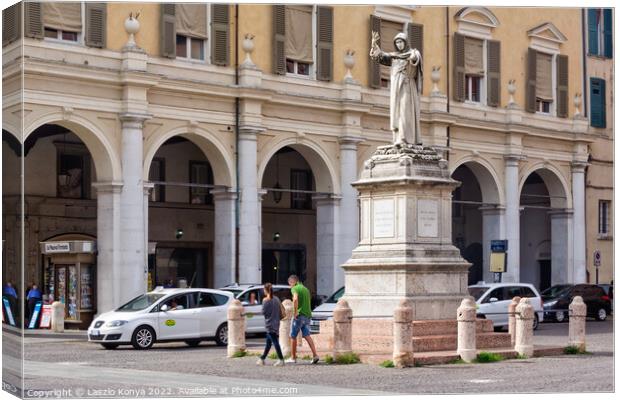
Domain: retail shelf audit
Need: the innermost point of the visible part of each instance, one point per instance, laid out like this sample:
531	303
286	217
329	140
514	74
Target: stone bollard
236	328
512	320
524	328
466	320
403	335
577	323
58	316
285	328
343	335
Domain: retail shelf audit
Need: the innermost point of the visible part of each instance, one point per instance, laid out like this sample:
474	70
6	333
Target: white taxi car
189	315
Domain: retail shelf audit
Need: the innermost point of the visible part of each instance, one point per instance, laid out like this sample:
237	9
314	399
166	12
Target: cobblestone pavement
82	369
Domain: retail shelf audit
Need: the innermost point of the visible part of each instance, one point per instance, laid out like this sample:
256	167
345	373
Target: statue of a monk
405	87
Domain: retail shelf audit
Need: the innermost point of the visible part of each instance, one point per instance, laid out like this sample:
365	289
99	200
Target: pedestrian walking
34	295
272	310
301	318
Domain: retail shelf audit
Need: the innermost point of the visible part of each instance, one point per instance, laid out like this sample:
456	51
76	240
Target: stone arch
556	184
220	159
70	236
325	175
106	159
490	184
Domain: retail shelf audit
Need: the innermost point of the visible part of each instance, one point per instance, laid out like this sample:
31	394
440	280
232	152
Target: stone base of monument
434	341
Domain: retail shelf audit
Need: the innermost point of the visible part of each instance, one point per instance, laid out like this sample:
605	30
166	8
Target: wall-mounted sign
597	258
498	262
57	247
499	246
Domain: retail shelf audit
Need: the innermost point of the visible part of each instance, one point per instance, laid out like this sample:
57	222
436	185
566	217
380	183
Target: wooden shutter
592	31
459	67
279	38
220	28
607	33
530	82
562	89
325	40
597	103
416	37
95	24
11	24
493	73
33	20
168	31
374	68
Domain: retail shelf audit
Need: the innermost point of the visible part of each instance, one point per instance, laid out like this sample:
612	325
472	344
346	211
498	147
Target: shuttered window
168	30
374	68
539	90
493	73
543	77
11	24
597	103
33	20
600	40
459	67
220	34
279	38
298	39
562	85
96	15
62	20
191	30
476	70
603	217
388	31
325	47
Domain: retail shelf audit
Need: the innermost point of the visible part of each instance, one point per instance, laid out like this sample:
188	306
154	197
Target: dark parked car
557	298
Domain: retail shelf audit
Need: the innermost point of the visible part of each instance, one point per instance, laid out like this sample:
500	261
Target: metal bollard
403	335
285	328
342	328
236	328
466	336
512	307
524	329
577	323
58	316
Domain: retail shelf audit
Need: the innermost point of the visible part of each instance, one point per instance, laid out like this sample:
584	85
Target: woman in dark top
271	311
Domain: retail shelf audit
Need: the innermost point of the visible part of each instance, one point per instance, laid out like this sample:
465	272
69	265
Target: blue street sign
499	246
35	315
7	310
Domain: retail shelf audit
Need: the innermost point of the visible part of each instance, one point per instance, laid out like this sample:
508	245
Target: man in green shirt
301	318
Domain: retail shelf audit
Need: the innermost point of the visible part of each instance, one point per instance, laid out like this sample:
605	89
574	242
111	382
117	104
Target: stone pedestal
406	247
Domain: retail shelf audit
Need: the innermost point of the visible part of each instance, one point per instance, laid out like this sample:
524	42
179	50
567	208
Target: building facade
217	143
599	108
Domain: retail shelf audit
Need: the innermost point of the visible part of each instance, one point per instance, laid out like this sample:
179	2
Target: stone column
343	334
285	329
577	323
579	222
512	318
403	334
236	328
561	254
249	208
524	331
466	334
326	243
493	228
512	218
133	246
348	225
108	245
224	237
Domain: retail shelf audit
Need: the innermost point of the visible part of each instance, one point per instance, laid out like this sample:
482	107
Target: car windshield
141	302
477	292
336	296
554	291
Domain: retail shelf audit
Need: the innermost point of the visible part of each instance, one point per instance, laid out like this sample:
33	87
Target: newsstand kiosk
70	269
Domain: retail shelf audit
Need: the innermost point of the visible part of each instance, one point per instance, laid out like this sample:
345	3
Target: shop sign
46	316
57	247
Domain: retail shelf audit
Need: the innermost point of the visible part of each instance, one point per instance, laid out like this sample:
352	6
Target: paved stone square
75	368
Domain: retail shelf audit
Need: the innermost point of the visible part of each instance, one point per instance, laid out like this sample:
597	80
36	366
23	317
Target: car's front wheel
536	322
221	335
109	346
192	343
601	314
143	338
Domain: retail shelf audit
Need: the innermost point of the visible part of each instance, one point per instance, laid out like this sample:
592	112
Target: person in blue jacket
9	292
34	295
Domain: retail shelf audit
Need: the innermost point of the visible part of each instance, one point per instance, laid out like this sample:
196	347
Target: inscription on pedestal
428	218
383	218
